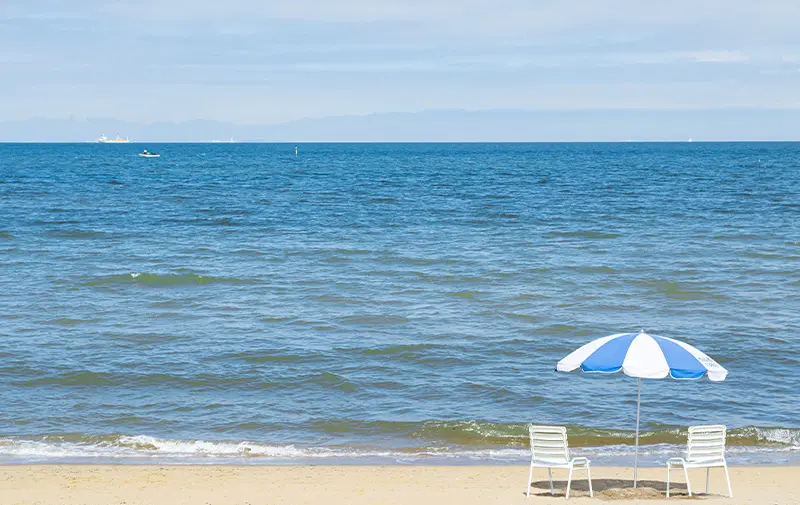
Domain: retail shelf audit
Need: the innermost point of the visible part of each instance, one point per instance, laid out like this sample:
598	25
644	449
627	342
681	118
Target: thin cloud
247	59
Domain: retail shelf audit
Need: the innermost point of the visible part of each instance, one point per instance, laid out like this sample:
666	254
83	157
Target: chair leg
708	477
550	475
688	484
530	478
668	469
589	476
727	477
569	482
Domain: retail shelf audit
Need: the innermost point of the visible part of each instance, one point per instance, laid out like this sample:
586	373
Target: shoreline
343	463
355	464
424	443
355	485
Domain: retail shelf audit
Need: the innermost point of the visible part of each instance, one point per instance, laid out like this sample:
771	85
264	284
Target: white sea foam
783	436
143	448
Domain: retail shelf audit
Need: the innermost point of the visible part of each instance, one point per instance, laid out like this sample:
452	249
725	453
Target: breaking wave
782	447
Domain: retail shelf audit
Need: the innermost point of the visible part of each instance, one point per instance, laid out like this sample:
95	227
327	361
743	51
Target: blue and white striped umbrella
642	356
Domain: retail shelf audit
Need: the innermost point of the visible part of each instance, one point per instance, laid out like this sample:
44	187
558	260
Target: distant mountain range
439	126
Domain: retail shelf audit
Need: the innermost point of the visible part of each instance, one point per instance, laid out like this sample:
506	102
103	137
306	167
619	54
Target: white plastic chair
549	449
705	449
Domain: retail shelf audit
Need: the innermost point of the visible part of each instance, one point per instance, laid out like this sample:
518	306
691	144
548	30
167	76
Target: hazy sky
263	61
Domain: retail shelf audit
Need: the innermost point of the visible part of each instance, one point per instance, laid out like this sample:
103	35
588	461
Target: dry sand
373	485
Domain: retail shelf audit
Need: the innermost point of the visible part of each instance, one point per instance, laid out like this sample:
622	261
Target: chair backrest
549	444
706	443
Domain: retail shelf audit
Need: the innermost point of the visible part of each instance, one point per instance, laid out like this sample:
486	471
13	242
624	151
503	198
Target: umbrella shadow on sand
613	489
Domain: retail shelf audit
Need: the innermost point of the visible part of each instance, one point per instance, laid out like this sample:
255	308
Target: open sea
390	303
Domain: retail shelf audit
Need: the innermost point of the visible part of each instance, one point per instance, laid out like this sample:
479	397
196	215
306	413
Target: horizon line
226	142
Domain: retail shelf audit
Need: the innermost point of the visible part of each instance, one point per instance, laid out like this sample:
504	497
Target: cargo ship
119	140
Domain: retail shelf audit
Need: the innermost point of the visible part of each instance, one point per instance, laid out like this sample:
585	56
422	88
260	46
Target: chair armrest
579	461
676	461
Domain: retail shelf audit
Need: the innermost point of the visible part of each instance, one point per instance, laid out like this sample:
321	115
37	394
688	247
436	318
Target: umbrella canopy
642	356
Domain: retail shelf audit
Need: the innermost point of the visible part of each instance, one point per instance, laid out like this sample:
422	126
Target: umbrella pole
638	409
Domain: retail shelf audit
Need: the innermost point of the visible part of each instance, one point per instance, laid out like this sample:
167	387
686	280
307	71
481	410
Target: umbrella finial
641	330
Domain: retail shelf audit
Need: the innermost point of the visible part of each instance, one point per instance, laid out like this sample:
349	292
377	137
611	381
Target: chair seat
545	464
574	462
698	463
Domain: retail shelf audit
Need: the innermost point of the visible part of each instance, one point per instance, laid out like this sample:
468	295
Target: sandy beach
354	485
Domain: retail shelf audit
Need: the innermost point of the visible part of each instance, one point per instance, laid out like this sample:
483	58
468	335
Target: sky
265	62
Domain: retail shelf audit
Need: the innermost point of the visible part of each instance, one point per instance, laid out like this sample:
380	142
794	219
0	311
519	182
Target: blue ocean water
389	302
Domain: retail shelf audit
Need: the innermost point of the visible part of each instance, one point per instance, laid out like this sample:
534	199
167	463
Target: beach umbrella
642	356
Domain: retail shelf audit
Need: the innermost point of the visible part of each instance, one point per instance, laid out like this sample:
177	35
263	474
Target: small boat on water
148	154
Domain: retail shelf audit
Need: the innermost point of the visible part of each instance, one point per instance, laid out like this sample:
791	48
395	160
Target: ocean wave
753	435
466	295
77	234
332	381
597	235
125	446
134	448
479	433
138	447
207	381
684	291
276	356
165	280
373	320
403	351
66	321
